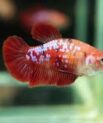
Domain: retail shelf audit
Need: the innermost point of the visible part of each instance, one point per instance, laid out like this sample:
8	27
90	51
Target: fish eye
101	60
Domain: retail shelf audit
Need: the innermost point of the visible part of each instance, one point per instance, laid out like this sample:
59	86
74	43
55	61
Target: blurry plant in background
40	13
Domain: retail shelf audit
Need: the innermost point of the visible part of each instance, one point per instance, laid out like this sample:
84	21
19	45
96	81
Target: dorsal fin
45	32
14	52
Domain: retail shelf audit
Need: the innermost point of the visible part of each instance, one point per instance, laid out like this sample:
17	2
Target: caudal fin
14	51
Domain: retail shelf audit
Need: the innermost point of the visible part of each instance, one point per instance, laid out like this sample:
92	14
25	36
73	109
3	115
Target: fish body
58	61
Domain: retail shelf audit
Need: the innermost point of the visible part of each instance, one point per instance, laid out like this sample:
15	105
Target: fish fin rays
14	50
45	32
51	77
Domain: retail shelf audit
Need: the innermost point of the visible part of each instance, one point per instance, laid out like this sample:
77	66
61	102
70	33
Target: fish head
94	63
99	63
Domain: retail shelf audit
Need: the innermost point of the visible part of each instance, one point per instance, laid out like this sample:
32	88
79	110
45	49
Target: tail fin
14	51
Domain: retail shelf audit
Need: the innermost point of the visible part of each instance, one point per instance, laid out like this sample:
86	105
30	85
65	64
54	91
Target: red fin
46	76
44	32
14	50
66	79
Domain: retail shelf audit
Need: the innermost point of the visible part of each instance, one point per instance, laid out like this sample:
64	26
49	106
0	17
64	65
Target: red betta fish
59	61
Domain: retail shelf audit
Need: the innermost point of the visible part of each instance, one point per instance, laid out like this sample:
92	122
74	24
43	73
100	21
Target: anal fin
50	77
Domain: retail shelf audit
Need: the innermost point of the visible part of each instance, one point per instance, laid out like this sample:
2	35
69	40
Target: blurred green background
81	102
